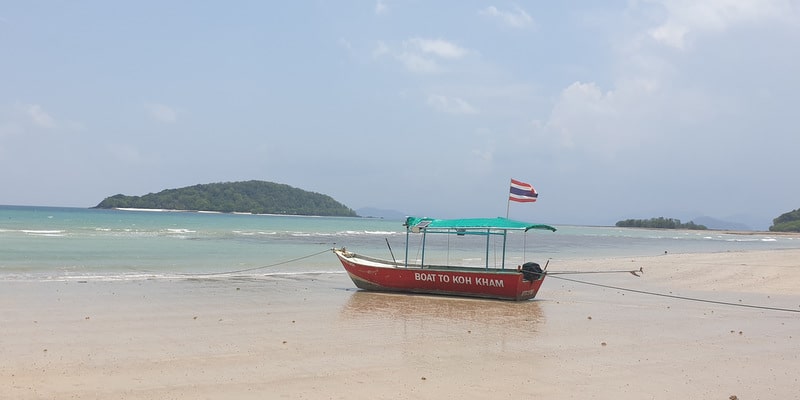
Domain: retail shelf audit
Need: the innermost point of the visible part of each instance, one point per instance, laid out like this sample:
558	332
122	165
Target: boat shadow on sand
382	306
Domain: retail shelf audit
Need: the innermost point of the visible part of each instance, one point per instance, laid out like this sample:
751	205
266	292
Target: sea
81	244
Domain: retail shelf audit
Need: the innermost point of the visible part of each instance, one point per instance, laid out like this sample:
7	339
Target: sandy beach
317	337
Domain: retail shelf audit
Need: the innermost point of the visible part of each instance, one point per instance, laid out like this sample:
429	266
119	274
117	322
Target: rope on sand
247	269
672	296
634	272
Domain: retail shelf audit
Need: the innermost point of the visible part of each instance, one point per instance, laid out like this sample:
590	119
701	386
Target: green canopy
473	223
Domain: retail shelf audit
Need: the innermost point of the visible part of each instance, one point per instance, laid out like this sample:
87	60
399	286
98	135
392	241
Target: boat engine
531	271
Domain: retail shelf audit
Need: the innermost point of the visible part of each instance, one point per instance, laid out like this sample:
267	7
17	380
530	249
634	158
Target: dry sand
319	338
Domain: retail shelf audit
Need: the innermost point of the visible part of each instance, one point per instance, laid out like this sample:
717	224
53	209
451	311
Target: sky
610	109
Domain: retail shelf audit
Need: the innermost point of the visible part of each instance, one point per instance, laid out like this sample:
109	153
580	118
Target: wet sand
317	337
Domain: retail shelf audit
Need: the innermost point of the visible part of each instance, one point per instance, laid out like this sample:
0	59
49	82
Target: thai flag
522	192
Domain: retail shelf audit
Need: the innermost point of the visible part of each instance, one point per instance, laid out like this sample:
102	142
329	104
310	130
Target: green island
256	197
787	222
659	223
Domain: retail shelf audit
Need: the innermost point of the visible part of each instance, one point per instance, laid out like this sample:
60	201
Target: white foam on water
44	233
180	230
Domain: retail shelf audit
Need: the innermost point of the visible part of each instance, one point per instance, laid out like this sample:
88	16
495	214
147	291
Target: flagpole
508	202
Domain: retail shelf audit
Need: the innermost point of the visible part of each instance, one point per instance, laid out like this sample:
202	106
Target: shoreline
319	337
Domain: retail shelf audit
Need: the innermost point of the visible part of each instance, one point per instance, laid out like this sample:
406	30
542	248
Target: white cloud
417	63
381	8
161	112
515	19
452	105
380	49
40	117
670	35
437	47
578	103
420	55
603	123
685	17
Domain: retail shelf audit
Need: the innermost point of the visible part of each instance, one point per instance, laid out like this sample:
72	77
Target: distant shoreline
698	231
751	233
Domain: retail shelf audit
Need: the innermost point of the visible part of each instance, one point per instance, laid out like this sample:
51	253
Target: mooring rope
254	268
634	272
672	296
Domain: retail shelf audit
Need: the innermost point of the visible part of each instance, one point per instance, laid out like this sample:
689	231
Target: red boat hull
370	274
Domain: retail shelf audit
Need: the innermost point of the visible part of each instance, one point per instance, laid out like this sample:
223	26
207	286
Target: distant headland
256	197
659	223
786	222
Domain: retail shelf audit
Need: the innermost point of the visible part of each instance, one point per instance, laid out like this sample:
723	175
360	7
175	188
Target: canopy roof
474	223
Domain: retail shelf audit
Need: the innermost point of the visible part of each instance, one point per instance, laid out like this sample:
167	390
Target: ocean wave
741	240
44	233
246	233
380	233
41	231
180	230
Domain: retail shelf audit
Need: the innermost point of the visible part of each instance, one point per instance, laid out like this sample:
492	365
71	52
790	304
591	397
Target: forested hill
787	222
659	223
257	197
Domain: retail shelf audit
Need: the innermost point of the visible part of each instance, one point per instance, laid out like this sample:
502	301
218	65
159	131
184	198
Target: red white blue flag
522	192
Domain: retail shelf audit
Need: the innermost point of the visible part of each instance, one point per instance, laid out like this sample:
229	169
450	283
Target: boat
520	282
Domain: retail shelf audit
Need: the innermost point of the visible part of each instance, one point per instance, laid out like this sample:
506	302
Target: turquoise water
47	243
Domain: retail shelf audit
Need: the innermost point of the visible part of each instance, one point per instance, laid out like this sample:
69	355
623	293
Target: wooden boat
520	282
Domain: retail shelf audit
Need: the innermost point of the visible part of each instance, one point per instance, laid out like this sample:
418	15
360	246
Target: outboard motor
531	271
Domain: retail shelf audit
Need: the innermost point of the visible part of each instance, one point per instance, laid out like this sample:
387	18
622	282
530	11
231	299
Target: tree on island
257	197
787	222
659	223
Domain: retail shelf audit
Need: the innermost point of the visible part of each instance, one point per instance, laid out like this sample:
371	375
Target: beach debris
733	397
195	317
589	317
424	378
86	318
603	344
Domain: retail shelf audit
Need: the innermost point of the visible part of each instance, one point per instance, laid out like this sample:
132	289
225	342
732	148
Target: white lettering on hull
418	276
489	282
458	279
